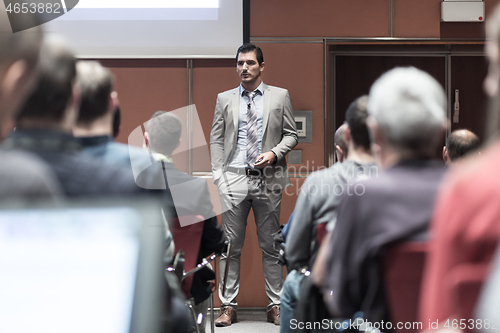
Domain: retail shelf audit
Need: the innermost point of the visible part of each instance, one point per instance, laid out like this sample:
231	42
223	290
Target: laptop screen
72	269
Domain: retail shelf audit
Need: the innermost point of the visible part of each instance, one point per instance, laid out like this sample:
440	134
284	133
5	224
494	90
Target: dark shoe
227	316
273	315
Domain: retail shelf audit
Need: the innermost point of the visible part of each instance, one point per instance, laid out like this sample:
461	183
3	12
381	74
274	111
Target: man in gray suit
252	131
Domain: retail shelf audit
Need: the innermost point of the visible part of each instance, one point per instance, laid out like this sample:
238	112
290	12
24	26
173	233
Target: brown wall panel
299	68
146	86
462	30
319	18
417	19
210	77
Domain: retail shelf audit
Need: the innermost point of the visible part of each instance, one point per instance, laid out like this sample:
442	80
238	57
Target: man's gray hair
409	106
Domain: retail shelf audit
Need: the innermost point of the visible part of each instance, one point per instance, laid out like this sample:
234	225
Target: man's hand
265	159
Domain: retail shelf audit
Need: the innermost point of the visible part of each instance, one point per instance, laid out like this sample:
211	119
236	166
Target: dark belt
246	171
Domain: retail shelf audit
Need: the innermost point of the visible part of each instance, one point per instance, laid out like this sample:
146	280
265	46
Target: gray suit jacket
279	133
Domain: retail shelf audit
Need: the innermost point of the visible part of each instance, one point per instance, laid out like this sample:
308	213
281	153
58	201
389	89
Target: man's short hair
96	84
356	116
54	87
458	144
409	106
164	130
248	47
339	138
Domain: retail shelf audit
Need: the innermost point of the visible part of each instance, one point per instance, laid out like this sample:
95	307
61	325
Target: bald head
458	144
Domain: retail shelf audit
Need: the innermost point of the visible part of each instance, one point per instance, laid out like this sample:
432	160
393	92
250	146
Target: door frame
446	49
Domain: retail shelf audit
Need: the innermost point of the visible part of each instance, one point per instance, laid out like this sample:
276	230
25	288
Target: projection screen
152	28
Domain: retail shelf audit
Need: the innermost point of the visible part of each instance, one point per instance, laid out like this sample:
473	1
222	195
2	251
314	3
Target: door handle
456	109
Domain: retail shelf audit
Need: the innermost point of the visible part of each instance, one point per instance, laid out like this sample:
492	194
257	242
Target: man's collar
416	162
39	139
90	141
260	88
162	158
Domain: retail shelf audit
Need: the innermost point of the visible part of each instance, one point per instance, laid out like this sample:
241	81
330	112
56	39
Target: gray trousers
239	194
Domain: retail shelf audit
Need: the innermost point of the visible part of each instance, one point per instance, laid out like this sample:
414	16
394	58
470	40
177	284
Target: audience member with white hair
407	109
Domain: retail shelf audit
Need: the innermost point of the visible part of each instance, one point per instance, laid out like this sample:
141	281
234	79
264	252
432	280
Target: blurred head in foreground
54	102
407	115
19	54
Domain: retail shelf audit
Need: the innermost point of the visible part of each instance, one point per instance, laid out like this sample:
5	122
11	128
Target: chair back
403	267
321	232
466	282
188	239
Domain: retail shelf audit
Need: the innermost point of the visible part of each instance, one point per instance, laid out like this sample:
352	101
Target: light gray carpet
249	321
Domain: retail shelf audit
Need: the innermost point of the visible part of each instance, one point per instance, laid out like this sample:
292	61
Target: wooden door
354	75
467	76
